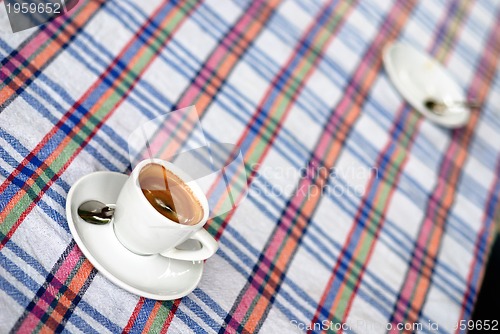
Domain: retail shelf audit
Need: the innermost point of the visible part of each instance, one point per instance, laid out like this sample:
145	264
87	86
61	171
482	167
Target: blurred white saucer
418	77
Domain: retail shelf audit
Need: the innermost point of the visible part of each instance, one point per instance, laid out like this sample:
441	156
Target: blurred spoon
440	107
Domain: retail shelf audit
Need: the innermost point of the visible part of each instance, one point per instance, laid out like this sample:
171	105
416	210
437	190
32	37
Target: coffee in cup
169	195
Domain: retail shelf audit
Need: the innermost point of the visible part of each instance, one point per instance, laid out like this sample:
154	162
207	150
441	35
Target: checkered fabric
397	235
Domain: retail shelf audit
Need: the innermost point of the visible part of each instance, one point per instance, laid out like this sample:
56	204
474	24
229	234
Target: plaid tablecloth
361	214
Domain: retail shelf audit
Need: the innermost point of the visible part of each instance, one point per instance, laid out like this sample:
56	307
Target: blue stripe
179	314
143	316
200	313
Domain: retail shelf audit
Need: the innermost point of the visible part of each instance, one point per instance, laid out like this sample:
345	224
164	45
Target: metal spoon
95	212
440	107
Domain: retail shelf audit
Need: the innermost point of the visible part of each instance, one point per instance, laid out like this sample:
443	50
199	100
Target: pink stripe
411	280
41	38
50	293
324	142
243	306
247	299
175	128
69	264
29	323
233	35
430	221
221	51
278	237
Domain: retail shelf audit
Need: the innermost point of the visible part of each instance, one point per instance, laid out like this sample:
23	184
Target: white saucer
153	276
417	76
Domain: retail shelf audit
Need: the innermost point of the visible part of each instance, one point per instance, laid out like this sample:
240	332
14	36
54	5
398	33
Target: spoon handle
469	104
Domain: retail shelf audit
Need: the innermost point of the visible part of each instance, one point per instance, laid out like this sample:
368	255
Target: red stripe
134	315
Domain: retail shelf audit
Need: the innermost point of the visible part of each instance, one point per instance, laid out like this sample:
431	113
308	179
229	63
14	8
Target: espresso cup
144	229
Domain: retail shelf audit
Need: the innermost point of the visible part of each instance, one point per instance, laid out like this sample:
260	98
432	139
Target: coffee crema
169	195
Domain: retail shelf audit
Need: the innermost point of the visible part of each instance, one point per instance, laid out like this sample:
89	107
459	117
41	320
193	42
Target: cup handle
208	248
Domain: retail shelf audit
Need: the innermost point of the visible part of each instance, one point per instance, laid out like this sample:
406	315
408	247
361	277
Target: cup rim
193	186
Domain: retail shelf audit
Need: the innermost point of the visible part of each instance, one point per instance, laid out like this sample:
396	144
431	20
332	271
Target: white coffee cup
145	231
